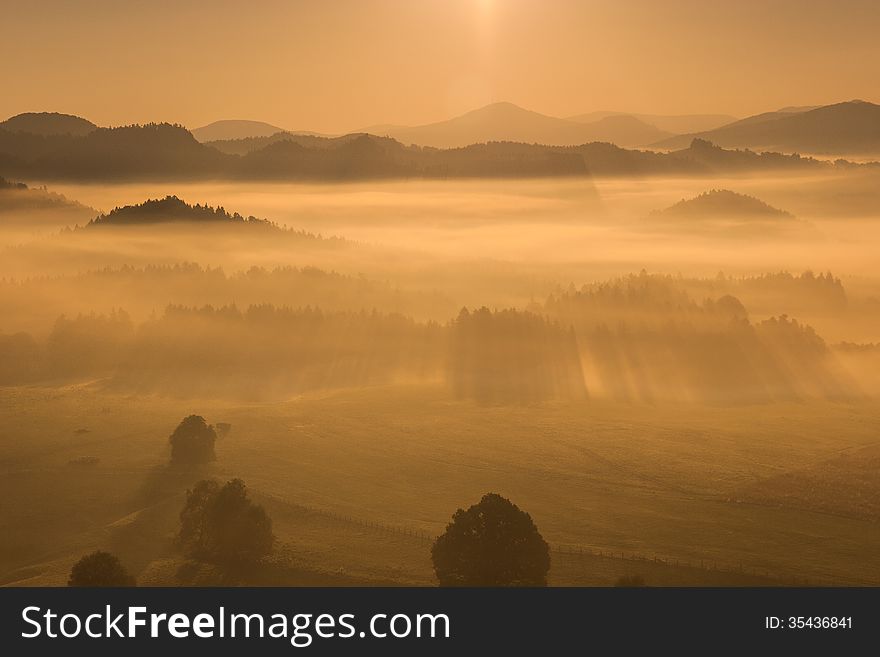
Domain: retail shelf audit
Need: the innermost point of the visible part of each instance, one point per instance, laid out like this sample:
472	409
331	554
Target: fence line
576	550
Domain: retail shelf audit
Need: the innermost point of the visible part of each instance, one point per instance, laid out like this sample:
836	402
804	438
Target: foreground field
356	487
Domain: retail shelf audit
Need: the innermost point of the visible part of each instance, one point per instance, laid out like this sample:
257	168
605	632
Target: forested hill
171	210
19	196
720	203
48	123
838	129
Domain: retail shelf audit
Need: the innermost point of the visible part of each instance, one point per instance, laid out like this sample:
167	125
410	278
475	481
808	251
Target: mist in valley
460	293
385	349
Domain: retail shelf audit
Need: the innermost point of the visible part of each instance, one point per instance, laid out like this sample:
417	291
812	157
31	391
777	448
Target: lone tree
99	569
493	543
192	442
222	524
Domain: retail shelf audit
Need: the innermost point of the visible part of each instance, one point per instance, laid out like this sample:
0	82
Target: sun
484	6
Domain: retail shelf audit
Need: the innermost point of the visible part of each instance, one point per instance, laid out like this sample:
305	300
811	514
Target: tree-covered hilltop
723	203
48	123
17	196
170	210
155	150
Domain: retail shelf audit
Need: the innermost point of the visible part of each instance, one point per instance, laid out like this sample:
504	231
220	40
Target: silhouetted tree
493	543
192	442
222	524
99	569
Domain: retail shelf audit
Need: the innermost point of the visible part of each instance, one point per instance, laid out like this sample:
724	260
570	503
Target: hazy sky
335	65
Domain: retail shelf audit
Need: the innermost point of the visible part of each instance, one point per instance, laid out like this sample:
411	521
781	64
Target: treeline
76	348
806	292
259	352
513	356
643	337
638	337
639	299
164	150
39	300
267	351
777	359
764	294
611	342
504	356
18	196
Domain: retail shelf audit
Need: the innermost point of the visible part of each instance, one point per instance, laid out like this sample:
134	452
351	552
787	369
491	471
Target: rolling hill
675	124
27	212
172	210
18	196
707	156
157	149
247	145
234	129
47	124
508	122
723	204
844	128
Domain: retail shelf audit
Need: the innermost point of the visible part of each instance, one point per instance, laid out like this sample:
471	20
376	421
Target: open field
657	481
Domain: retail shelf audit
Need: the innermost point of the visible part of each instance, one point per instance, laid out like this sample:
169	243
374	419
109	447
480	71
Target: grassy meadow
355	480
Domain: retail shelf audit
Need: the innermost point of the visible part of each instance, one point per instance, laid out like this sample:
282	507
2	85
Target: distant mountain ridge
234	129
508	122
675	124
844	128
165	151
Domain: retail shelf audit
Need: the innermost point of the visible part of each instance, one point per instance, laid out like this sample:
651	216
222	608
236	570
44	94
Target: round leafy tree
99	569
192	442
493	543
223	524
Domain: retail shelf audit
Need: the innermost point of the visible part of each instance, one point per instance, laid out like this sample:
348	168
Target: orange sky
336	65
